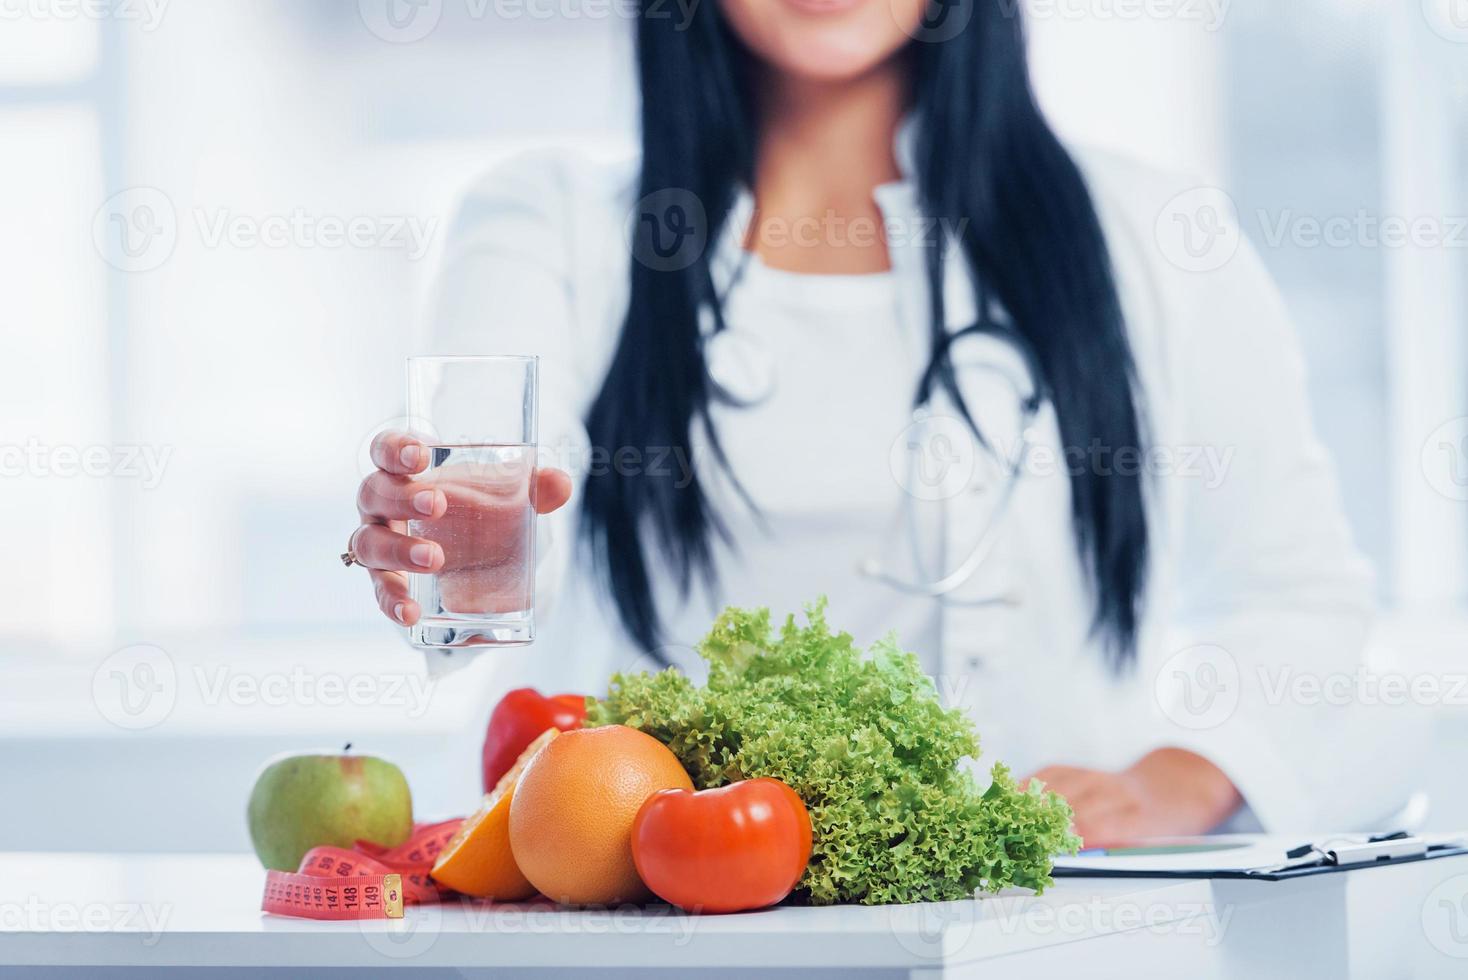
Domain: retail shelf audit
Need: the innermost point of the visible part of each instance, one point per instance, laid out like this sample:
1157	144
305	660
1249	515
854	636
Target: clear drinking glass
477	417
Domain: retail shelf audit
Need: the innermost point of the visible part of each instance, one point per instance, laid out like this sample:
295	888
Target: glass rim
522	358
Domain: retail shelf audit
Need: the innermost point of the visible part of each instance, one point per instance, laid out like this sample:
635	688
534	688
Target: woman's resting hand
1168	793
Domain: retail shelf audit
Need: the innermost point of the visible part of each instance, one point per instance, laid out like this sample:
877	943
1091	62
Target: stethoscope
1009	469
742	369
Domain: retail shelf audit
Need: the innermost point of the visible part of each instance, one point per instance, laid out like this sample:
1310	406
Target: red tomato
518	720
741	846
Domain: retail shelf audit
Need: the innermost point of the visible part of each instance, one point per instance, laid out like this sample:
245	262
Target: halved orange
478	861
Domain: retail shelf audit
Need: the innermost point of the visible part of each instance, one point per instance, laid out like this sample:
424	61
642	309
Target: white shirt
1254	579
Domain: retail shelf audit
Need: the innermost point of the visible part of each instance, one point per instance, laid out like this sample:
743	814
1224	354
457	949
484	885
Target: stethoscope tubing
942	589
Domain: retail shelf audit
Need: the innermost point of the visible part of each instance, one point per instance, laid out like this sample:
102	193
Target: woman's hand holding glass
395	494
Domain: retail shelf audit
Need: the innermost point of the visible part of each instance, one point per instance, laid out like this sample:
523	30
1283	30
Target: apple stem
347	747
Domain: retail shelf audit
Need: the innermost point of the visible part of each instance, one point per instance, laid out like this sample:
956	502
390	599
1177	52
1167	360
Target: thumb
552	490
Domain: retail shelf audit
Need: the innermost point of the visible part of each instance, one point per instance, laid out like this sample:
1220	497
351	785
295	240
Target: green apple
303	801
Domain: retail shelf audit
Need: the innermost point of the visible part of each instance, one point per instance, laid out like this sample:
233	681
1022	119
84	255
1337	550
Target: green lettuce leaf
864	741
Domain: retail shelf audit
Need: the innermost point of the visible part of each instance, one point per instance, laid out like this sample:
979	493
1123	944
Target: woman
829	193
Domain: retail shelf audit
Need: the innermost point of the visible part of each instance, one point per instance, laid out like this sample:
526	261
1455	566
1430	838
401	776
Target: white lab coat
1254	579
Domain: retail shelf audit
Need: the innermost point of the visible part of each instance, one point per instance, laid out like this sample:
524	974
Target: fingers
552	490
380	547
1107	811
1073	785
388	497
392	597
1109	822
399	452
1066	781
1048	775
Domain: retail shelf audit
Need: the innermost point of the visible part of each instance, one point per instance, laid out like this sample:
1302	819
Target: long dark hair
986	163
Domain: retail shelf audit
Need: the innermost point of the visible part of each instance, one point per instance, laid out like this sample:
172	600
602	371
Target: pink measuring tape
369	882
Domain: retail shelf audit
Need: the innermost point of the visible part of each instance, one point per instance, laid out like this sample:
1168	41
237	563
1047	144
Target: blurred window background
218	223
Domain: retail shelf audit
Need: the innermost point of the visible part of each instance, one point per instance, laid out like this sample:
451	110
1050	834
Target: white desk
144	914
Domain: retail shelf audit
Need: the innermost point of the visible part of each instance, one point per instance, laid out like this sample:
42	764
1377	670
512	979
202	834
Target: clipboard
1255	858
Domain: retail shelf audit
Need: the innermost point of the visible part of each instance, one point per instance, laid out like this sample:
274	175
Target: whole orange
571	818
